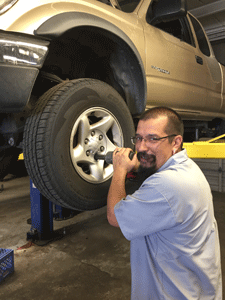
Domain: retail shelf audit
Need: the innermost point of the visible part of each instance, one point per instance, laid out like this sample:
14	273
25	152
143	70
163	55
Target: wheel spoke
79	156
109	145
84	129
97	170
104	124
108	170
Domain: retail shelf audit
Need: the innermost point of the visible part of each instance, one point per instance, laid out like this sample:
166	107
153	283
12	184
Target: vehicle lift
43	211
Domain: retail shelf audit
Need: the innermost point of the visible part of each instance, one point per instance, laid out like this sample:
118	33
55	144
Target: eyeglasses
149	139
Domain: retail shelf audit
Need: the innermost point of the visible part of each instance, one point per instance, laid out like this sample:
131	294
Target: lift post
41	217
43	212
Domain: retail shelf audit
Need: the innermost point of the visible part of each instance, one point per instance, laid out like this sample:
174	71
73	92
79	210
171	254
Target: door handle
199	60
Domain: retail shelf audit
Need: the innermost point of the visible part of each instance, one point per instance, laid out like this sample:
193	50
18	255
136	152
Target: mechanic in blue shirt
169	219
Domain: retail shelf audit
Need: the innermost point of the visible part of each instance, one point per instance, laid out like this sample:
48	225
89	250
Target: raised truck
75	75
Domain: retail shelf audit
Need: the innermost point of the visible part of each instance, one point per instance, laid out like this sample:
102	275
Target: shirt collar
177	158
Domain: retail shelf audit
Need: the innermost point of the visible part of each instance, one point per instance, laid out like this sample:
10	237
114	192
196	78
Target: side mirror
164	10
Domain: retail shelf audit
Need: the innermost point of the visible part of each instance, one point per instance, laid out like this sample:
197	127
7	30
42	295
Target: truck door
208	63
176	76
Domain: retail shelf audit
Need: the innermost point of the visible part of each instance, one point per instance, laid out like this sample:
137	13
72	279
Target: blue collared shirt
175	251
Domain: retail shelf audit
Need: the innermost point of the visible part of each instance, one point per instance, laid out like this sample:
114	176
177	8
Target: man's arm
116	193
122	165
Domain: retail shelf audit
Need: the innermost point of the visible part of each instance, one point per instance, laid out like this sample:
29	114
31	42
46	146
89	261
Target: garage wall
214	171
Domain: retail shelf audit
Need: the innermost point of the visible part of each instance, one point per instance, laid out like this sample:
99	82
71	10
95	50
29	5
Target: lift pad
214	148
21	157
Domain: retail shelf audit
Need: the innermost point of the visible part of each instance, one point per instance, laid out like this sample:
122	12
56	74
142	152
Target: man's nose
142	146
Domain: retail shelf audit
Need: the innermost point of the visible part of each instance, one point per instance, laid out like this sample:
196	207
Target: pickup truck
76	74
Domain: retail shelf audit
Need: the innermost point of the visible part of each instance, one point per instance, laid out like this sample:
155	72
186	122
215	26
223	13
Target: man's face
153	154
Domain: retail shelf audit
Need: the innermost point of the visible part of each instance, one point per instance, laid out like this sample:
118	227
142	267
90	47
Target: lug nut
92	133
88	153
86	141
100	137
102	148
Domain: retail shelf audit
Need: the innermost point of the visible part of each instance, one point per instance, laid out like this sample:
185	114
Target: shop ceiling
211	13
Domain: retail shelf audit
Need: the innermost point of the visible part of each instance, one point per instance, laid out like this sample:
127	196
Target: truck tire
71	122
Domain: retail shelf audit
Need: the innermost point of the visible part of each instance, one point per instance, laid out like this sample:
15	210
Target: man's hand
122	162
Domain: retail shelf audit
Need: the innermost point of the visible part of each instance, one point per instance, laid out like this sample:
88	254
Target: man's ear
177	143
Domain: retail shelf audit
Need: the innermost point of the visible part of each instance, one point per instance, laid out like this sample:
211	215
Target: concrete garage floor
90	262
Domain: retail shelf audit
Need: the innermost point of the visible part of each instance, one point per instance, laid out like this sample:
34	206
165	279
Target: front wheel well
91	52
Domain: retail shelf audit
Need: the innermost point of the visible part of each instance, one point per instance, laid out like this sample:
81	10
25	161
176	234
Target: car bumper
21	57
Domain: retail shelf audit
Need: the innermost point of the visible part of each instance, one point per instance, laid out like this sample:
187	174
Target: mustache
148	157
144	172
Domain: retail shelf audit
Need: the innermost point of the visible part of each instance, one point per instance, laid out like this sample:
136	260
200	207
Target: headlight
5	5
21	49
15	53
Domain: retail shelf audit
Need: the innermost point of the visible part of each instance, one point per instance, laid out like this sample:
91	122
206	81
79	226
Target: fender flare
61	23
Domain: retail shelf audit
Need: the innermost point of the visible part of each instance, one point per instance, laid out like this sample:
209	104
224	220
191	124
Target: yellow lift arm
214	148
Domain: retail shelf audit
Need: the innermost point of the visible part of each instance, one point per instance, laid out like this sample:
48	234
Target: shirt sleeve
143	213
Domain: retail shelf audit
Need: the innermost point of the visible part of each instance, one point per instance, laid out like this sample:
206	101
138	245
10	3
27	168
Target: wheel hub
95	142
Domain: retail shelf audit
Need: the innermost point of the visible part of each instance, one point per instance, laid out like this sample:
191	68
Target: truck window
128	5
202	41
178	28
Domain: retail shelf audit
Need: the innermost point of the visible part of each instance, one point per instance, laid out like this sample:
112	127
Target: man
175	252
